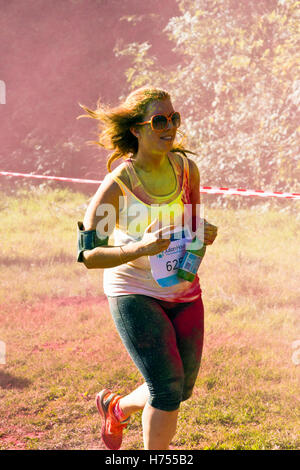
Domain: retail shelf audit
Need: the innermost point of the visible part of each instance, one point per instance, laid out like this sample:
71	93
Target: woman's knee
167	396
187	393
189	384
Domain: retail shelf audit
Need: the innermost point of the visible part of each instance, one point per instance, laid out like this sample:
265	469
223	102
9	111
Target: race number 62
176	265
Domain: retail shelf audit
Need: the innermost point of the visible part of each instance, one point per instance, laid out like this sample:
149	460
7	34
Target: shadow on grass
9	381
28	262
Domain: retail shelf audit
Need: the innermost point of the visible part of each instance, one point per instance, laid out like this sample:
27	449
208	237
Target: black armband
87	240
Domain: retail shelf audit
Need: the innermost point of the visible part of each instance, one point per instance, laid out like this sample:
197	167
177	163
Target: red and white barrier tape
203	189
60	178
249	192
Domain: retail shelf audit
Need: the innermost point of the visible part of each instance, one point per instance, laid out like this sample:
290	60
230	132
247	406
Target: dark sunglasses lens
176	119
159	122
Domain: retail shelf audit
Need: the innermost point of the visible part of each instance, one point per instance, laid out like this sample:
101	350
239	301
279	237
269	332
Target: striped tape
203	189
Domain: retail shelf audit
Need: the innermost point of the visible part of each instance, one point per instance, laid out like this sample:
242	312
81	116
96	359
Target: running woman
160	323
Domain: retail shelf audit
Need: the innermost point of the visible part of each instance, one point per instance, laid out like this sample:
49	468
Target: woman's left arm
208	232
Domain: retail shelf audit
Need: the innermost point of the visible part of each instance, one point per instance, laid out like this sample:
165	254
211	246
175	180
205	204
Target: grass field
62	348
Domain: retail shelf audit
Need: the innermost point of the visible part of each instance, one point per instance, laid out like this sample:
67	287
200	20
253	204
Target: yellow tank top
136	277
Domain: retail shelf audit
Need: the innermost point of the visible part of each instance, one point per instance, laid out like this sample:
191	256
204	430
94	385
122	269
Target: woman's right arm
108	192
111	256
103	257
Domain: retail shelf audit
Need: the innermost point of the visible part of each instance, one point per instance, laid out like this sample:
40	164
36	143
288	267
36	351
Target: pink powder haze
56	54
232	69
238	83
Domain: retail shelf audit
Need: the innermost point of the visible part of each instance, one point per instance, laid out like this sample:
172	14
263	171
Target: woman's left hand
207	232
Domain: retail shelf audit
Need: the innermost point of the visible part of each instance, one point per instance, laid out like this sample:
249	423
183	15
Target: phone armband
87	240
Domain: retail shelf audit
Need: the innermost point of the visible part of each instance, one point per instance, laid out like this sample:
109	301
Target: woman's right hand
152	242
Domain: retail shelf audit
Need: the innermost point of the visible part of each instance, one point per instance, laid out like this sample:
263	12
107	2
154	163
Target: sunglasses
159	122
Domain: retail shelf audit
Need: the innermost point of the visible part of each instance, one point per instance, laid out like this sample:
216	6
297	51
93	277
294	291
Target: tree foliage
237	85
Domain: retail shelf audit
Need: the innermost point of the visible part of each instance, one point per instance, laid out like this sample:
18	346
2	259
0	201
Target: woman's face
156	142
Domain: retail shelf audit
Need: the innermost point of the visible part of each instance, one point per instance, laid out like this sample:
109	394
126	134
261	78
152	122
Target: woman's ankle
128	407
120	414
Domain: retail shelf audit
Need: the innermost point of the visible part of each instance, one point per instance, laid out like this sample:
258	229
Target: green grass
62	347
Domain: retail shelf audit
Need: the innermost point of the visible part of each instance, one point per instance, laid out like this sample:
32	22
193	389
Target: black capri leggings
165	341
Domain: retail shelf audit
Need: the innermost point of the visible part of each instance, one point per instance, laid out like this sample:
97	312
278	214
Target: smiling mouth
167	137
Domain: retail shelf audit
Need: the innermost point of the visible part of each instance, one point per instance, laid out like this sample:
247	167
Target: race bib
164	265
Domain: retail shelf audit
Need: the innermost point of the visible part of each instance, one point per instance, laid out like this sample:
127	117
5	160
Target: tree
238	87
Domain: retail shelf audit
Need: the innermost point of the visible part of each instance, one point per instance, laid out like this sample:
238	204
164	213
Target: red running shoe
112	428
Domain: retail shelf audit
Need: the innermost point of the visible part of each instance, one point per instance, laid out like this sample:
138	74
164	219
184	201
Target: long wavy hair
114	123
